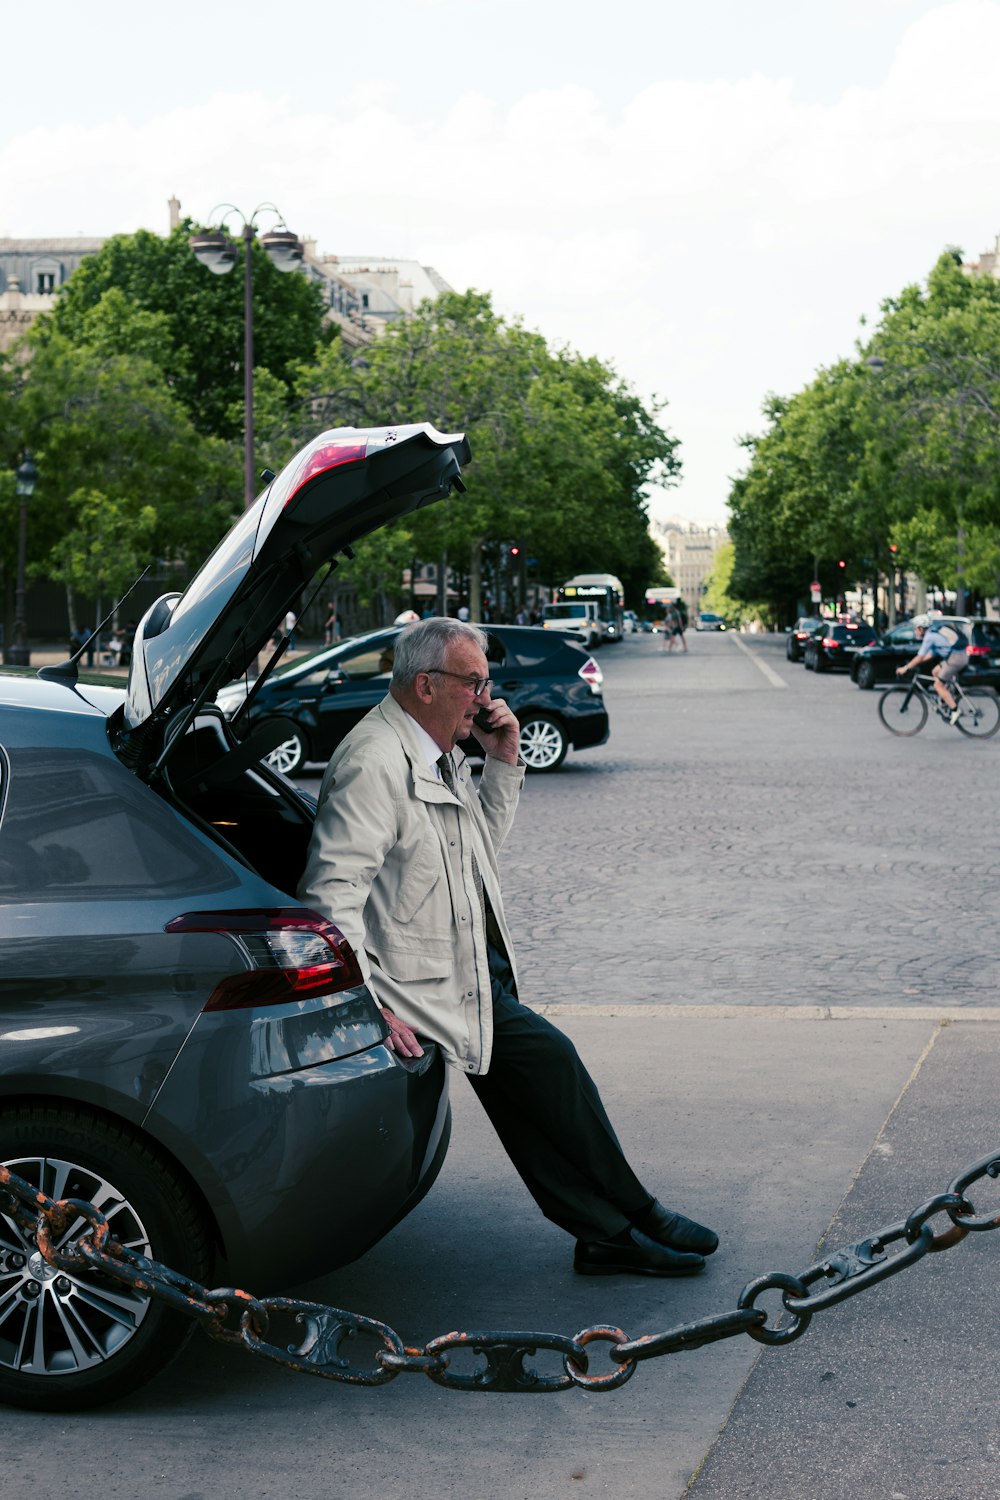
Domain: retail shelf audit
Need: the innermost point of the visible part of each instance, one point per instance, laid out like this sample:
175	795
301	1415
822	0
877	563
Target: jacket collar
427	784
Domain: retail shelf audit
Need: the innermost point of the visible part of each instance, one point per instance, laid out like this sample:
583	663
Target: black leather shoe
643	1257
676	1232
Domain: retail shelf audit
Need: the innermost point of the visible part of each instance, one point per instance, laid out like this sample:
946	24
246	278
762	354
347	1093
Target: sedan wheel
289	757
865	675
75	1339
543	743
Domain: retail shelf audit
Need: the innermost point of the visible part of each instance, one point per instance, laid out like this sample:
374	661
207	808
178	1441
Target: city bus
606	591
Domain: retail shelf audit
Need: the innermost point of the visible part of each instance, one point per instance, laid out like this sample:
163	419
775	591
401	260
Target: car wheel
819	662
543	743
290	756
791	650
808	659
71	1340
865	677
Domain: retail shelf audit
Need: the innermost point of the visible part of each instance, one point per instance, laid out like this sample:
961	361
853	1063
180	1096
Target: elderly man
404	859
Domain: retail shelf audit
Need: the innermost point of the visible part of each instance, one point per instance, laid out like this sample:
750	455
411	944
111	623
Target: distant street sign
816	590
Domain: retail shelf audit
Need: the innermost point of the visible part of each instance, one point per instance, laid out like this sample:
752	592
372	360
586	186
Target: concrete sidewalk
771	1125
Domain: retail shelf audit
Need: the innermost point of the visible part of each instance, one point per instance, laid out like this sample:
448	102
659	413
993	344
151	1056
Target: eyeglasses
477	684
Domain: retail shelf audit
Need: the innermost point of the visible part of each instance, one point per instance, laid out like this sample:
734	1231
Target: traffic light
515	550
842	564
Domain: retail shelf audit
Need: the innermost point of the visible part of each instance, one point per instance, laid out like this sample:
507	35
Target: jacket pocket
423	871
406	960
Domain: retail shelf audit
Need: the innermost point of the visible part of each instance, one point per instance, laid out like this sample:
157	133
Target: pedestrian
680	609
331	626
290	623
403	858
671	623
463	613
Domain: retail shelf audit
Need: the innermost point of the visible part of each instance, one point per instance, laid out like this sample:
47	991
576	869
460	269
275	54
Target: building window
46	282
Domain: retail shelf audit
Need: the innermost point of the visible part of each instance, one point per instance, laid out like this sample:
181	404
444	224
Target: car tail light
327	456
830	645
591	674
978	650
292	954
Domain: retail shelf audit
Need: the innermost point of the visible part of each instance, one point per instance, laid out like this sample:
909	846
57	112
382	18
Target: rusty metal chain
73	1236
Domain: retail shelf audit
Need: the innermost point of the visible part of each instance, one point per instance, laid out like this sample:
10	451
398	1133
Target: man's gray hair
423	647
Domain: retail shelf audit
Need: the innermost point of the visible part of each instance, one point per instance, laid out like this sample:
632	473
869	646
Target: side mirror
335	678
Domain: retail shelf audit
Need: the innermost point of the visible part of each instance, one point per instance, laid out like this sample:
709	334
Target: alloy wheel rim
286	756
56	1323
540	745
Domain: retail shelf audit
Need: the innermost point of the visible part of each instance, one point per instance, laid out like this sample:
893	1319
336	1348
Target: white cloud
714	239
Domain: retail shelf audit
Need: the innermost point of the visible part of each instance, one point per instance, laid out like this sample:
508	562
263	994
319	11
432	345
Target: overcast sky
707	196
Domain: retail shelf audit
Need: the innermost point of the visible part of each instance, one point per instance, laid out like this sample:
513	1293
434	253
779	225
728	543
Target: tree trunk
475	579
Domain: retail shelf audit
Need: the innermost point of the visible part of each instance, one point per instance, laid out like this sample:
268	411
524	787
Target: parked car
708	621
804	627
549	679
878	662
833	646
184	1043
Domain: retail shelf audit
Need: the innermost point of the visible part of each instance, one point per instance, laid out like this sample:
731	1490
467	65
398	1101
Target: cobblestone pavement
749	838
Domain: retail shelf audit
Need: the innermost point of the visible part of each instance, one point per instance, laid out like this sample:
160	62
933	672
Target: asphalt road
730	908
753	837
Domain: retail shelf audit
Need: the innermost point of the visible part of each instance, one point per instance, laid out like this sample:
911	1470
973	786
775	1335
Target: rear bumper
304	1171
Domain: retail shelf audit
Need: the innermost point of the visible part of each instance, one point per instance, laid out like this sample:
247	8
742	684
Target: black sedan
803	629
878	662
551	682
184	1044
833	646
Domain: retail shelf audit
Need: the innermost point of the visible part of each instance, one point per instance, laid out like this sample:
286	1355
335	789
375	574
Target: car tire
290	756
865	676
791	651
819	663
95	1347
543	743
808	660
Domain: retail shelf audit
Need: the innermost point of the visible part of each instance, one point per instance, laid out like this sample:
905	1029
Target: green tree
104	547
562	448
110	425
199	328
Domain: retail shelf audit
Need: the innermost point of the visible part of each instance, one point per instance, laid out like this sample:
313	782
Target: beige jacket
390	863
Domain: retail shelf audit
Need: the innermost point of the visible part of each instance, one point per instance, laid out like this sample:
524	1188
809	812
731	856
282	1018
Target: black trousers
545	1107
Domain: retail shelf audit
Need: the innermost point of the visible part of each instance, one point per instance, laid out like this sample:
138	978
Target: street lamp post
18	654
217	252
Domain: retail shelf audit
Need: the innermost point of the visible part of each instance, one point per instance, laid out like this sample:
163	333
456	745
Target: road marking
768	672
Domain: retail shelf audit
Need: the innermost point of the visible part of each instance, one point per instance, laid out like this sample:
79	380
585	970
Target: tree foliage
888	460
197	317
562	447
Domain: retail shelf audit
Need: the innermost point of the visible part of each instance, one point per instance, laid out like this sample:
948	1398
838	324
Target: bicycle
904	709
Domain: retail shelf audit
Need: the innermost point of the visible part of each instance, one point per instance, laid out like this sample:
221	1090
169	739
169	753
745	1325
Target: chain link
74	1237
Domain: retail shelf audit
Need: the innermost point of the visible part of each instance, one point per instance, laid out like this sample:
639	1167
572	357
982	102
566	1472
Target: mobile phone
482	720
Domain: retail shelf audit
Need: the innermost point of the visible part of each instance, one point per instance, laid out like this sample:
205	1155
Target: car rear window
533	649
859	635
78	825
987	633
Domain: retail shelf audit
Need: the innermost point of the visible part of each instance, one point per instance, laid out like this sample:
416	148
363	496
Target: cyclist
948	655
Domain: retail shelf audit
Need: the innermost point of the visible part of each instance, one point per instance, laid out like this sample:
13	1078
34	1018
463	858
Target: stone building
688	552
31	272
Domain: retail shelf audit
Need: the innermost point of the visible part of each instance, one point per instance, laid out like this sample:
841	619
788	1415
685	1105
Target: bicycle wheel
902	711
980	713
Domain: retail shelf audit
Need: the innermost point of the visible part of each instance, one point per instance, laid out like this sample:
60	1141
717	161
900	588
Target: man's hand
502	740
401	1039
